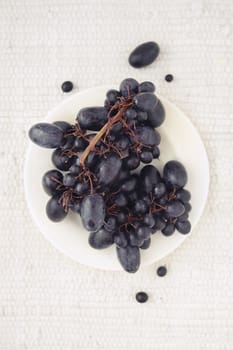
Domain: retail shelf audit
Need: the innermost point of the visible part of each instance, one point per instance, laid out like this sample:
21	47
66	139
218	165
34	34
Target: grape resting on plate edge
95	173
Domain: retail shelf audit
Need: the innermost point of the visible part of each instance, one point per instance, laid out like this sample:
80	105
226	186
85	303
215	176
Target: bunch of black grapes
96	177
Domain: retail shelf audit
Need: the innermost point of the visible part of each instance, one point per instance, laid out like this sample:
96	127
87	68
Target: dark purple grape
146	86
144	54
120	200
141	297
161	271
142	116
92	118
159	223
175	208
149	220
67	86
51	181
121	217
46	135
75	206
116	128
81	187
187	206
146	157
134	240
123	175
108	169
155	152
183	195
112	96
64	126
175	174
145	101
68	142
69	180
122	142
61	160
80	144
146	199
147	135
129	258
143	232
75	169
132	197
169	78
146	244
91	160
110	224
140	207
149	178
120	240
93	212
160	190
55	210
184	217
129	87
168	230
130	113
183	227
129	184
101	239
132	162
156	116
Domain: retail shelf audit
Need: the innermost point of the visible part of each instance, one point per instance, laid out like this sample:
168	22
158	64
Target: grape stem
125	104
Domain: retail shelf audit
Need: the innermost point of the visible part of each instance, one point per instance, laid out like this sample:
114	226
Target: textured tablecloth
49	302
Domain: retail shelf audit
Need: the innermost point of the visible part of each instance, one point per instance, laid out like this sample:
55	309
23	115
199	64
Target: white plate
180	141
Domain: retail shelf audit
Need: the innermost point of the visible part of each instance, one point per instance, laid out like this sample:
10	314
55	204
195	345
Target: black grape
75	206
64	126
175	208
143	232
120	200
51	181
75	169
116	128
146	86
183	227
108	169
149	220
134	241
69	180
121	217
175	174
144	54
46	135
146	157
81	187
55	210
110	224
62	161
159	223
130	113
92	118
132	162
184	216
120	240
112	96
140	207
145	101
187	206
183	195
147	135
149	176
129	258
68	142
129	184
100	239
122	142
160	190
80	144
92	212
142	116
168	230
155	152
128	87
156	116
146	244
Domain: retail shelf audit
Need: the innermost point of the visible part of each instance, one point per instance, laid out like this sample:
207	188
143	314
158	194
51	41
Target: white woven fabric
47	301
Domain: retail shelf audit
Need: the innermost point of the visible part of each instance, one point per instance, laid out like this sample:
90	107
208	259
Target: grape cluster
95	177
